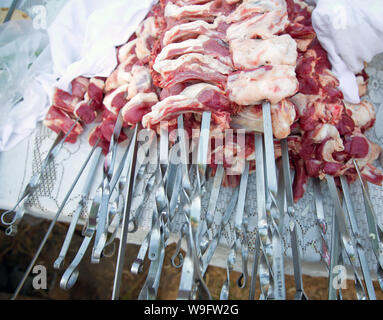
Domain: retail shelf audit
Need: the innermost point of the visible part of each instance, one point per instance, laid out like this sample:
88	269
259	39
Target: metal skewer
347	206
126	215
345	236
265	269
58	264
33	184
335	258
299	294
321	222
274	213
375	230
238	225
108	168
222	224
207	221
53	222
71	274
192	284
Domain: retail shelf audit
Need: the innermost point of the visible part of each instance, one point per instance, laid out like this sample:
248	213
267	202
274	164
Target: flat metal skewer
345	235
375	230
265	269
335	252
347	205
274	213
108	168
125	220
191	275
300	294
321	222
222	224
58	264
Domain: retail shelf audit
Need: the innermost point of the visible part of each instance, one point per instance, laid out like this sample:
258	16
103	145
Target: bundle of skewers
223	89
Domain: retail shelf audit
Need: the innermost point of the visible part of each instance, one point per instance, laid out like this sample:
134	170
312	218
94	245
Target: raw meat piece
137	107
171	107
252	53
272	83
215	48
57	120
190	30
262	26
80	87
253	7
192	66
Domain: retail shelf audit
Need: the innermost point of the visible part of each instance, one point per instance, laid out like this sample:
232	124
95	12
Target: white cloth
84	36
82	41
351	31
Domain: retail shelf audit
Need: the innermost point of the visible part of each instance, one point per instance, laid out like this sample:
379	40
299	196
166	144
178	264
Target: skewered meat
191	30
282	116
192	66
147	33
206	12
262	26
213	47
363	114
58	121
210	96
253	7
137	107
227	57
272	83
171	107
252	53
80	87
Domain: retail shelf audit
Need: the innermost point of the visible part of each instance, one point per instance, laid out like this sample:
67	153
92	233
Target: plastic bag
24	58
20	45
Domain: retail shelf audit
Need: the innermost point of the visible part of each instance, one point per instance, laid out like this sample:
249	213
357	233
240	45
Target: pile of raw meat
227	57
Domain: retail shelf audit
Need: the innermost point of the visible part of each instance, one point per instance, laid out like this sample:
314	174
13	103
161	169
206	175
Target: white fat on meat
147	30
252	53
108	100
194	90
272	83
331	146
323	132
126	51
362	86
301	101
192	29
120	75
374	152
283	116
261	26
326	77
142	101
249	8
169	108
98	83
141	80
203	45
250	119
362	113
203	11
166	67
138	80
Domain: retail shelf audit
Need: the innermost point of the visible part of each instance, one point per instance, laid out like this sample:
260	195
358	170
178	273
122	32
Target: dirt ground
96	280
